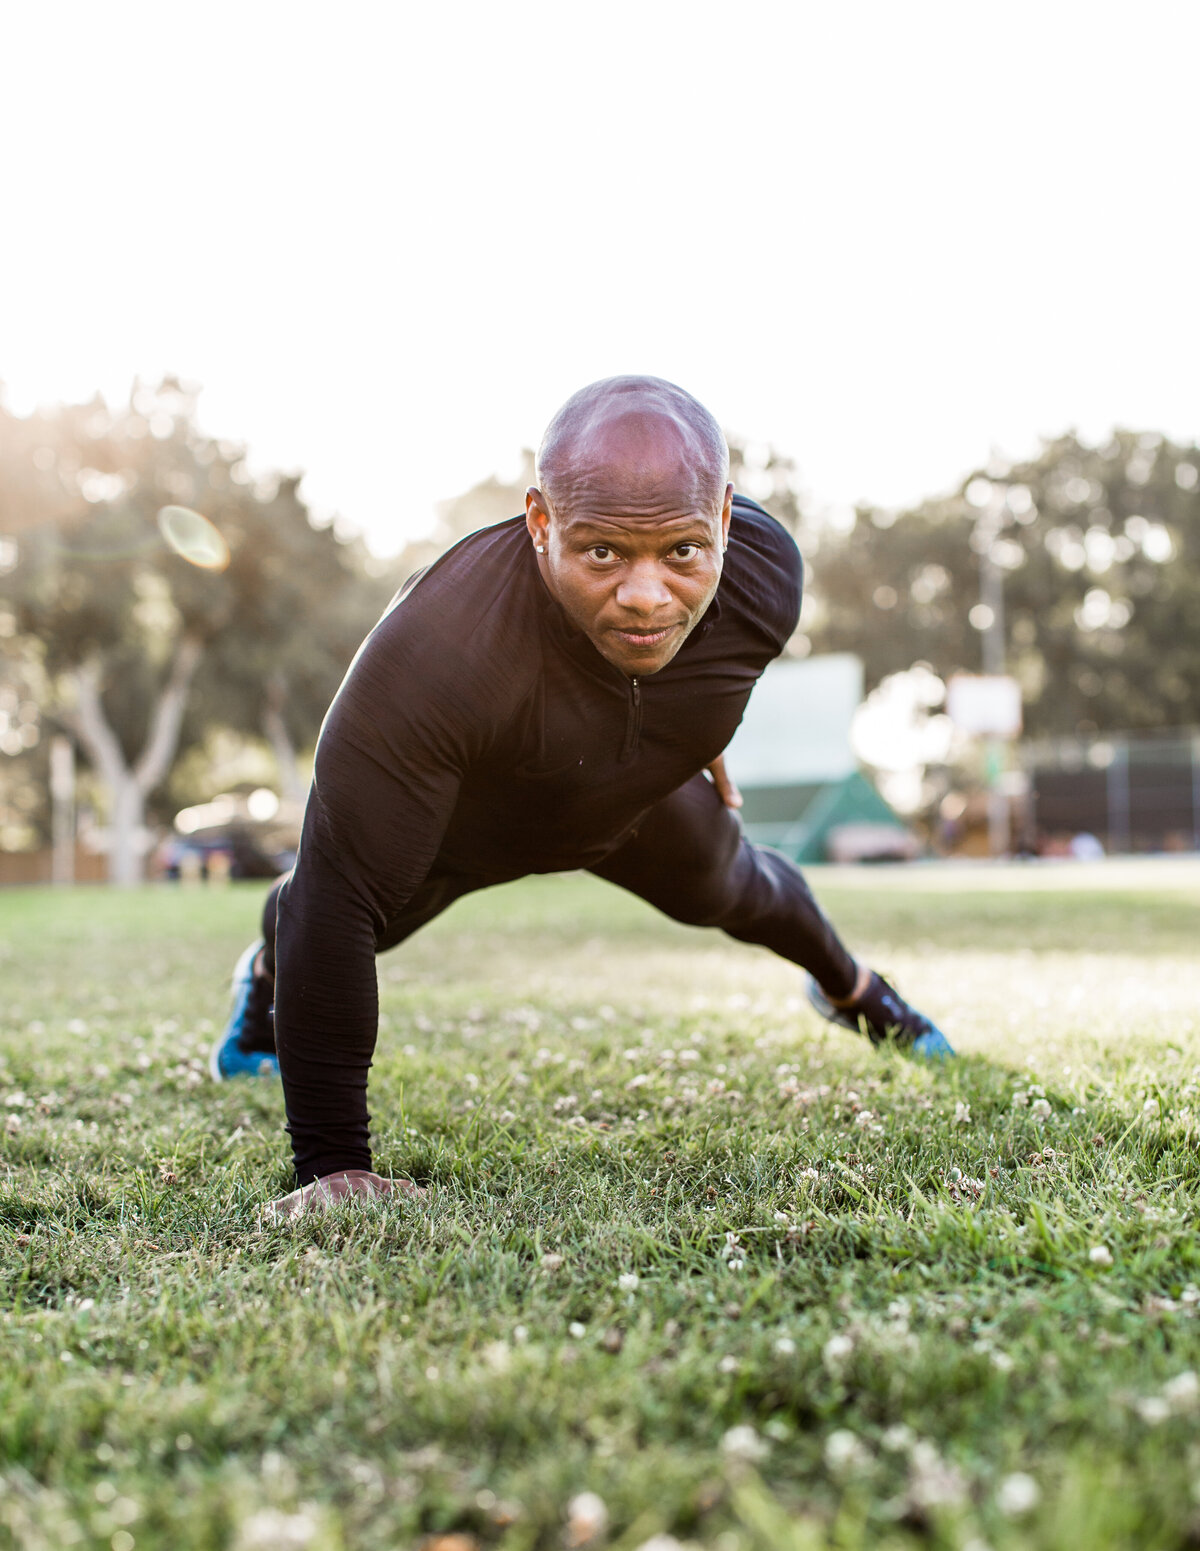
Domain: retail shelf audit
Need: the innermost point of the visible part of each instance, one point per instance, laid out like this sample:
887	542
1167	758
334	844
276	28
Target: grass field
692	1269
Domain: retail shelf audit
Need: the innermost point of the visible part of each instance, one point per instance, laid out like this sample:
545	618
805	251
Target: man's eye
602	552
687	551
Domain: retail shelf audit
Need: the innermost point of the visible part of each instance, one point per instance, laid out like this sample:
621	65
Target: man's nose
643	589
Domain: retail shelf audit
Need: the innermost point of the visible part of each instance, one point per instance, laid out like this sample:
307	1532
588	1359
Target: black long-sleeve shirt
478	733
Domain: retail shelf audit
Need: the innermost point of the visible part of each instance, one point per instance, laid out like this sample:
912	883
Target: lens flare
193	537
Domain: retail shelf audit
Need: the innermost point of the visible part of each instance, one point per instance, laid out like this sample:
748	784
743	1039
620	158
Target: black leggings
688	858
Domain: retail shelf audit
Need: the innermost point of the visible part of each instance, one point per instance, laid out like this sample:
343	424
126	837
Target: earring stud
541	548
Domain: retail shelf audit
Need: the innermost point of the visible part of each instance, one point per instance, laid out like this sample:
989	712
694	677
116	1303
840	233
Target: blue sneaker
247	1047
886	1019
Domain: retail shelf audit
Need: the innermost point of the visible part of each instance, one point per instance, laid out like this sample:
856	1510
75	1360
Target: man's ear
537	519
726	514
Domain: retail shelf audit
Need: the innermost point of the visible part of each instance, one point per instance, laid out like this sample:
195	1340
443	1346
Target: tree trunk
129	786
128	813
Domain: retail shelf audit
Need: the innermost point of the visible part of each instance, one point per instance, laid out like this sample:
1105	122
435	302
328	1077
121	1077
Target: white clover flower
836	1350
551	1262
1018	1494
728	1364
863	1118
735	1265
576	1331
1002	1362
962	1114
1151	1109
744	1443
845	1453
497	1355
1152	1410
271	1530
1020	1098
935	1482
628	1281
1182	1392
587	1518
1040	1109
898	1438
784	1346
1100	1255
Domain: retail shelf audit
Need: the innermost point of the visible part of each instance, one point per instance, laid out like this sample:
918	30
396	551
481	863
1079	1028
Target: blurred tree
307	600
126	632
490	501
1099	549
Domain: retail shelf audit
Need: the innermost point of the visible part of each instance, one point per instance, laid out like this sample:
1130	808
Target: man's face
633	563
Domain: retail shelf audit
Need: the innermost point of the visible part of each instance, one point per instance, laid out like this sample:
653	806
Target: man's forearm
326	1019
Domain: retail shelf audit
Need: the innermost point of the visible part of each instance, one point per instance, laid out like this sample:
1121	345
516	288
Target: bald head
642	433
630	517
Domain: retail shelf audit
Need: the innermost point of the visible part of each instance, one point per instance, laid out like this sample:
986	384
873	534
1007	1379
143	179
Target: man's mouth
640	637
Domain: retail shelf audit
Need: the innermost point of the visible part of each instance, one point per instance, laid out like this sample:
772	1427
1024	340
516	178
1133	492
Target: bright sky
389	238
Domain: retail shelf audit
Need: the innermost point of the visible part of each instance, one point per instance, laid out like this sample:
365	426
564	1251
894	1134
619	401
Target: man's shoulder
481	594
463	631
481	567
761	536
763	577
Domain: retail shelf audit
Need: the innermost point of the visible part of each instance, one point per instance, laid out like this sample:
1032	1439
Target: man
548	695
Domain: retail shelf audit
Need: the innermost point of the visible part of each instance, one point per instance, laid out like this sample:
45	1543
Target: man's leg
690	859
247	1046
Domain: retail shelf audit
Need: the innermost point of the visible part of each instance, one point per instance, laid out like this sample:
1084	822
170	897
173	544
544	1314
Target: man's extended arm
388	769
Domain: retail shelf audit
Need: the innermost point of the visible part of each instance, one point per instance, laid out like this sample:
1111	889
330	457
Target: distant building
1134	791
793	760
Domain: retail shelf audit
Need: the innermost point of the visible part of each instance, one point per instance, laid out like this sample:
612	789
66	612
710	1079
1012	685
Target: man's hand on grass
321	1194
726	787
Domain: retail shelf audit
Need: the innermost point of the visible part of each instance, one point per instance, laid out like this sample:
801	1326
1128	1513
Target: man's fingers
286	1206
724	783
325	1192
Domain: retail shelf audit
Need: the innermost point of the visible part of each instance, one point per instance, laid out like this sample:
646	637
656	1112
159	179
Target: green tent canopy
792	757
800	819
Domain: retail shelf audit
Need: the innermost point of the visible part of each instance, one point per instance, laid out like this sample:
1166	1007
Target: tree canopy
1099	550
133	647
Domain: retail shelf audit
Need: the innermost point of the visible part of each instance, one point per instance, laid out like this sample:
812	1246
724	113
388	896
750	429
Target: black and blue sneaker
883	1015
247	1047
